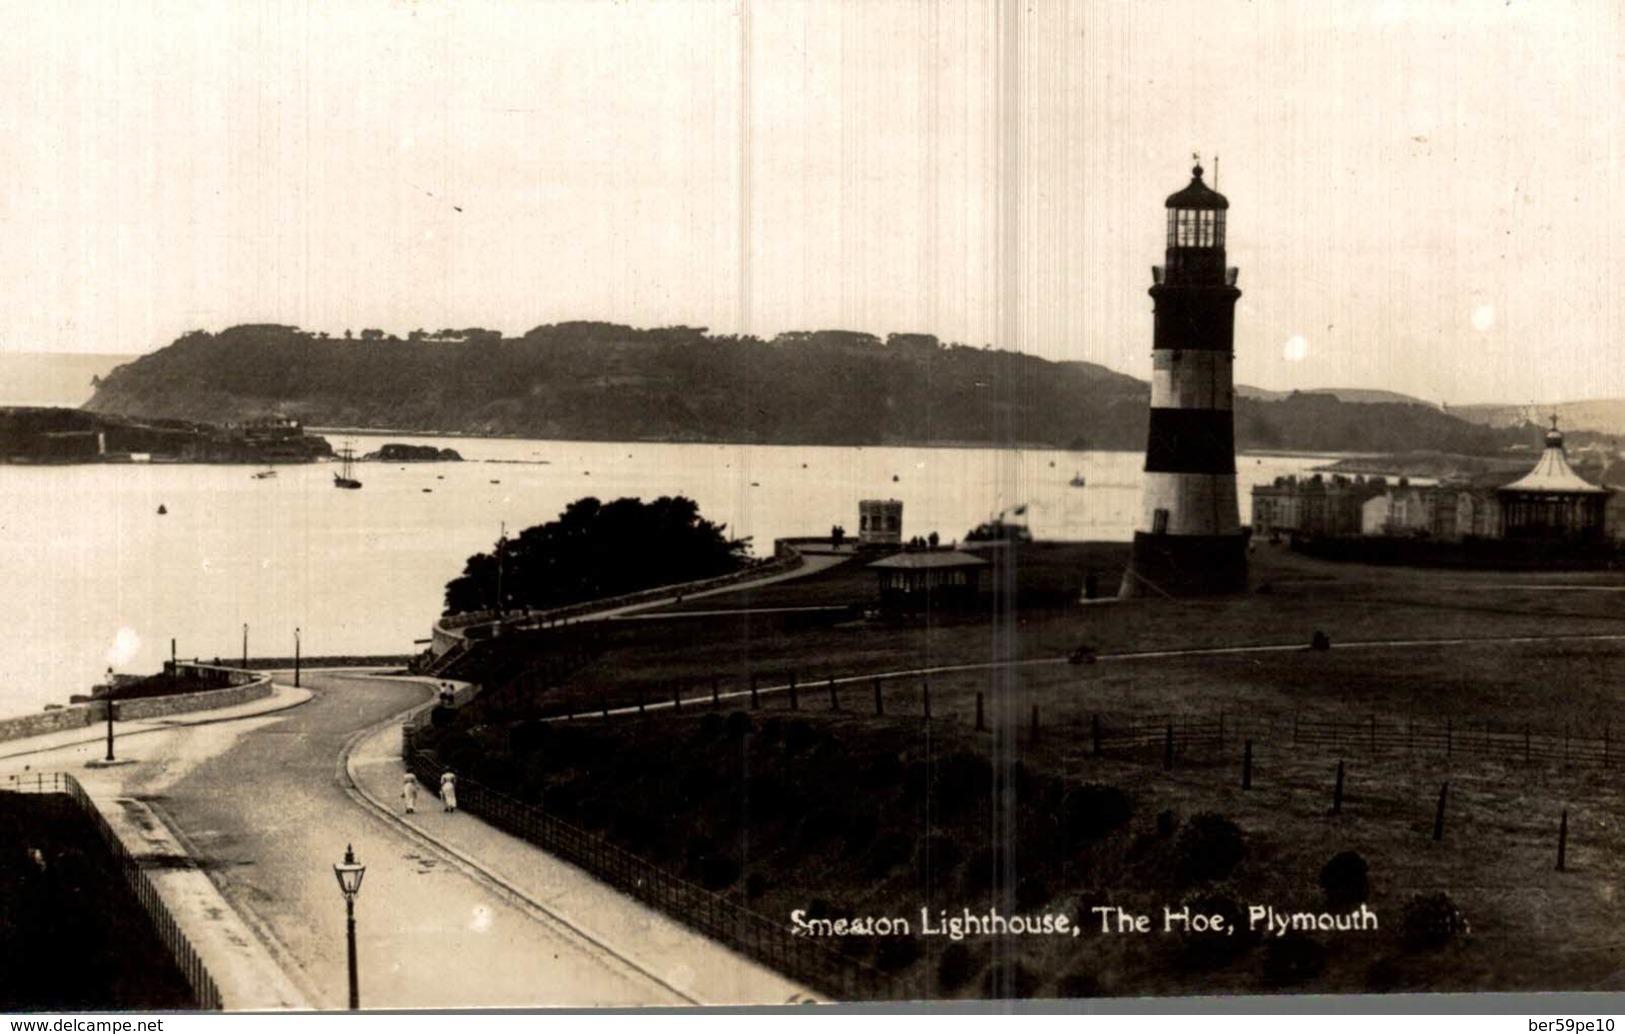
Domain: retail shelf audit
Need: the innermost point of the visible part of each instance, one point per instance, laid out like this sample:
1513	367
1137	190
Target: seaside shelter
914	581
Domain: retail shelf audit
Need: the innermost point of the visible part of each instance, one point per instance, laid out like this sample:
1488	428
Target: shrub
1344	879
938	857
1293	959
527	737
1167	822
716	872
1206	950
1080	983
1431	921
739	725
860	830
881	770
1092	811
820	825
889	851
1209	848
954	968
1032	891
1009	979
799	736
698	783
961	778
895	953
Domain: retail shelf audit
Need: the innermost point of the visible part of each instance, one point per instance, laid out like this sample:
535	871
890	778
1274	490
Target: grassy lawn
840	812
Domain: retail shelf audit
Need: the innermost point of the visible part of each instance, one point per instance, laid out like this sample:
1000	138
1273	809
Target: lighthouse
1189	541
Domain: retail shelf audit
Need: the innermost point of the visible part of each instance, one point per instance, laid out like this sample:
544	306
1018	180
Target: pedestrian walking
448	790
409	793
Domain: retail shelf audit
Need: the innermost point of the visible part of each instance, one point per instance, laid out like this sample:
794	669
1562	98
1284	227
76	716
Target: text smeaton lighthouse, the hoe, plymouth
1190	540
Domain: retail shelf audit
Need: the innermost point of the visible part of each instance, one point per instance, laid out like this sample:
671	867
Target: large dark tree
596	550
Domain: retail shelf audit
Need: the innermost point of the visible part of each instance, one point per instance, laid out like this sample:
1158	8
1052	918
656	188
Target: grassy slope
870	816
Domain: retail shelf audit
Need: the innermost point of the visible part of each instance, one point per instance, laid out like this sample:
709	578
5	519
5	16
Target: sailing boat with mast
345	478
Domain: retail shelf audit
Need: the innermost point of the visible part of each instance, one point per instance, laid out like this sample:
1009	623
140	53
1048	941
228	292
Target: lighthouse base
1186	565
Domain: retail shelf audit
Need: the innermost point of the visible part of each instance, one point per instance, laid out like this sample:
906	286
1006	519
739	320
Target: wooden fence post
715	693
925	699
1247	766
640	700
880	708
755	701
1562	840
1337	790
794	704
834	700
980	725
1438	816
677	697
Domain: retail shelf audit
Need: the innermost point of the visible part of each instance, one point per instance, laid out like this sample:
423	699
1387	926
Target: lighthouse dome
1198	195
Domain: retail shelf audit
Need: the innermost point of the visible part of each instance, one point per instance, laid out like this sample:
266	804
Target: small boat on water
268	472
1077	481
345	478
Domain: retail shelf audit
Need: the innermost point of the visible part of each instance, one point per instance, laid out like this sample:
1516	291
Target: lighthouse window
1159	521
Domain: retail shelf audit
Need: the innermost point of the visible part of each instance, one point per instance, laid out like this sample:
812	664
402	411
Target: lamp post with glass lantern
349	876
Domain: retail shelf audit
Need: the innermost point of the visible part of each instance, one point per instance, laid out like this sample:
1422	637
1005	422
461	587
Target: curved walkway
597	919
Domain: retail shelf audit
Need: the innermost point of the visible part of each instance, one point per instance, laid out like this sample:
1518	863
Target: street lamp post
245	646
110	723
349	876
296	658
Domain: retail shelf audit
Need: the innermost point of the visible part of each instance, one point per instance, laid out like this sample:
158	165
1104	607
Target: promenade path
264	804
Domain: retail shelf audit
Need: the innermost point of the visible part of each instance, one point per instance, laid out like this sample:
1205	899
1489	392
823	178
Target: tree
596	550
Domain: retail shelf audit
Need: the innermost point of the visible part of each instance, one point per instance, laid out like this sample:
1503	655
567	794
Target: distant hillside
1603	416
52	378
602	381
1247	391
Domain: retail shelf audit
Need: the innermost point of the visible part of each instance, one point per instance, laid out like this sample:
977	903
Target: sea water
95	577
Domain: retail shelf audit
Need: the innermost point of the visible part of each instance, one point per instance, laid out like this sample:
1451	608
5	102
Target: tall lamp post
349	875
245	646
296	658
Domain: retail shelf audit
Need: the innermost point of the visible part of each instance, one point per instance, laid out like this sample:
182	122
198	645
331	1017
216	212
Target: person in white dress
448	790
409	793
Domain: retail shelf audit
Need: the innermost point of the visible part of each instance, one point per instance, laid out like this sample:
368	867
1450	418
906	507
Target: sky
1425	197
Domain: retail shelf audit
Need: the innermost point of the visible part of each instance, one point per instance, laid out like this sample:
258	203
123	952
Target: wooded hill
601	381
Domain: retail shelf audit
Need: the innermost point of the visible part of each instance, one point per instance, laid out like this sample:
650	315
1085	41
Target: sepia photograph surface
682	503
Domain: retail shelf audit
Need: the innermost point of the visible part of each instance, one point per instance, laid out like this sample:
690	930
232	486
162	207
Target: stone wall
181	703
60	720
78	716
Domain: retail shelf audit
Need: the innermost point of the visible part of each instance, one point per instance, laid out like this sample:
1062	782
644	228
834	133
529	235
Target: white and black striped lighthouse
1190	541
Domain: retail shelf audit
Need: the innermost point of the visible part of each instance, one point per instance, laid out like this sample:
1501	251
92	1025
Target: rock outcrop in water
395	452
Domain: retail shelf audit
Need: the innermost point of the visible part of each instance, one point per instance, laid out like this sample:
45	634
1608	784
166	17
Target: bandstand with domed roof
1552	502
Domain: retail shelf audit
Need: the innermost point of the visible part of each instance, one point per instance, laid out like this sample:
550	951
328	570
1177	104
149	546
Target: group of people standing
448	791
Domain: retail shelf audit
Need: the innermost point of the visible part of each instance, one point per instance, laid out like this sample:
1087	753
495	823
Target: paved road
270	818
